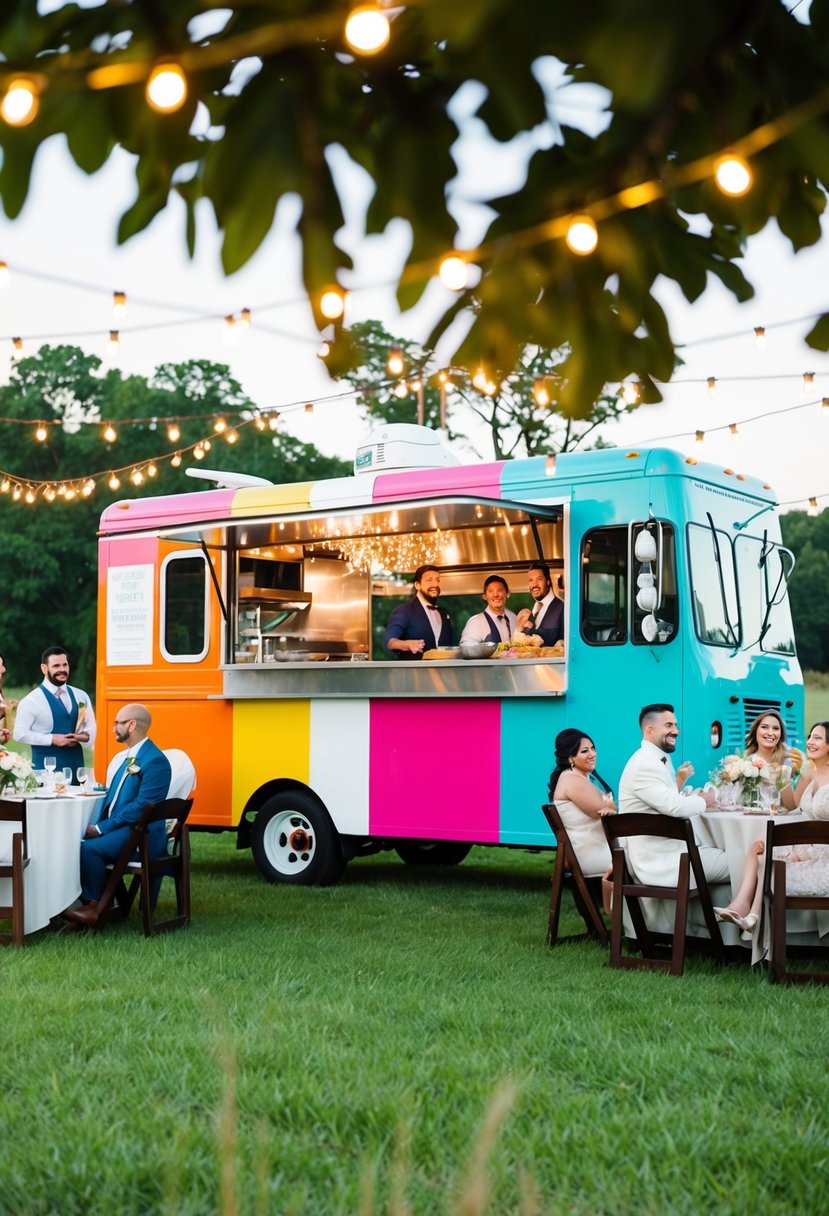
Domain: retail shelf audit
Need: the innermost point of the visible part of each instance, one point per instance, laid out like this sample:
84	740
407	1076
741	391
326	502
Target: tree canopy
49	548
275	96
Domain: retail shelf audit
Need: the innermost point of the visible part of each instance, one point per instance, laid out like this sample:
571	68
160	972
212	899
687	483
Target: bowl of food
440	652
477	650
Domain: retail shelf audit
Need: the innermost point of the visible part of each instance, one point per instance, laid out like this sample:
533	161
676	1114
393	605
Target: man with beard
546	617
56	719
649	784
419	624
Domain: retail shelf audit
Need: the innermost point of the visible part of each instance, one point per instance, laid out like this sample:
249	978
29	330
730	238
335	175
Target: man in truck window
421	624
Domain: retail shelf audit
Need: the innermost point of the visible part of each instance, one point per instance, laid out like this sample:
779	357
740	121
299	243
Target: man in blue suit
546	617
419	624
142	777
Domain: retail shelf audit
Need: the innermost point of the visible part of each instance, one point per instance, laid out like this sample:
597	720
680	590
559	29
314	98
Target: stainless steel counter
441	678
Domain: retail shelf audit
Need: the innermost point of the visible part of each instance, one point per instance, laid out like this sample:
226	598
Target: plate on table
753	811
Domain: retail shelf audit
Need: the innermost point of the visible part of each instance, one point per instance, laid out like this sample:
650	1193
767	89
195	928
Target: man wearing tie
56	719
419	624
649	784
546	618
496	623
137	777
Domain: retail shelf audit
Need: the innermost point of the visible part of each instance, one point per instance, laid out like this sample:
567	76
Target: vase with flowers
16	773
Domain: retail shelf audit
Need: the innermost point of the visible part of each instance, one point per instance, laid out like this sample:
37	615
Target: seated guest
579	802
546	617
419	624
766	739
142	777
807	866
496	623
649	784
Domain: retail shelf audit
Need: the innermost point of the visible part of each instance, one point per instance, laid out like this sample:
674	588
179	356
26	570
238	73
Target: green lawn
336	1050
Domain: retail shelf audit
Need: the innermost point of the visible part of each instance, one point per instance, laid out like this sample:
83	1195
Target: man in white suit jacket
649	784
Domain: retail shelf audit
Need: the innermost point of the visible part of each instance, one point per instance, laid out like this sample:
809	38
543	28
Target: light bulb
4	274
220	426
367	29
735	434
401	389
824	405
309	408
166	88
812	506
41	434
273	421
173	432
30	497
541	393
479	380
20	102
244	319
113	482
394	363
711	382
733	175
230	334
109	433
808	381
332	303
632	392
760	335
582	235
119	303
198	452
176	461
114	344
151	470
453	272
231	436
17	347
700	438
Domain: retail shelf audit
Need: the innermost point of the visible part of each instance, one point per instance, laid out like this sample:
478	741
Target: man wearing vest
140	776
56	719
546	618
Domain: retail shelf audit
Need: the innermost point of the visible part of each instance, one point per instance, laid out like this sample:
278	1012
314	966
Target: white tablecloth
52	878
735	833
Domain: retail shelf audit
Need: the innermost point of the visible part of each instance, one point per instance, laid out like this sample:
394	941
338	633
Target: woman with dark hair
766	740
574	789
5	733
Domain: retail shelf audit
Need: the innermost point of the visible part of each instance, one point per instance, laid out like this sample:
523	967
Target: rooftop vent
400	445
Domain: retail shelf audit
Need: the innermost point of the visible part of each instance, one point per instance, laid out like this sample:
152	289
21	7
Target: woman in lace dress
807	870
582	798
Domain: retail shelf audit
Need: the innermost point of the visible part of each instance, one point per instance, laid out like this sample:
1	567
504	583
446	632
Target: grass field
336	1051
401	1044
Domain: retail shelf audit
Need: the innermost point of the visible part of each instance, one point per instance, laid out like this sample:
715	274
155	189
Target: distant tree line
808	538
50	560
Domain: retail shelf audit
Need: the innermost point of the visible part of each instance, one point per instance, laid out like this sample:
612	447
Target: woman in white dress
807	871
582	799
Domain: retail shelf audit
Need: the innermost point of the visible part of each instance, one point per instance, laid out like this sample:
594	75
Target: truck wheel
294	841
433	852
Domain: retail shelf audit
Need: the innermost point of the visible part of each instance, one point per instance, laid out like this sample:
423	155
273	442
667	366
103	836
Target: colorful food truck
246	617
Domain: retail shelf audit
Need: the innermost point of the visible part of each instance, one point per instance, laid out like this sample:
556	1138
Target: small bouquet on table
749	782
16	773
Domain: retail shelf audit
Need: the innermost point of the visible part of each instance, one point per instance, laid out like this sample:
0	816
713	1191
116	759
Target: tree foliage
280	92
50	549
520	422
808	538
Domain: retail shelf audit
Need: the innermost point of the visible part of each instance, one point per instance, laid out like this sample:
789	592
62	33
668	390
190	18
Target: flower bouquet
16	772
737	780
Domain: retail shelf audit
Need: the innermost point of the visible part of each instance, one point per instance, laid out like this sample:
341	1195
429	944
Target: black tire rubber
289	818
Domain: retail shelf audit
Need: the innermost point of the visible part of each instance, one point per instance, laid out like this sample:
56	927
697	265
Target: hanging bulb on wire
733	175
367	29
20	102
166	89
119	303
582	235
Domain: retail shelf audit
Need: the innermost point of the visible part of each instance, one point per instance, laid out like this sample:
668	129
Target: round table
52	879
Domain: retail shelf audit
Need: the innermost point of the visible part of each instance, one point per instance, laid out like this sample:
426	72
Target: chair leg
17	892
778	923
555	897
681	921
616	918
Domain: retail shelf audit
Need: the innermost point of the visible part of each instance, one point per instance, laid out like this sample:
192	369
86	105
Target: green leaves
277	100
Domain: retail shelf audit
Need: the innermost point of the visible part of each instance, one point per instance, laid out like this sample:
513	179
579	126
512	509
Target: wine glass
50	764
67	775
81	778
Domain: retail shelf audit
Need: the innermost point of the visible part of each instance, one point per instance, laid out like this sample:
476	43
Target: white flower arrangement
16	771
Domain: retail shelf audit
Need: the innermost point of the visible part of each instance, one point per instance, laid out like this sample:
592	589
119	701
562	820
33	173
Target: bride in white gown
807	869
582	799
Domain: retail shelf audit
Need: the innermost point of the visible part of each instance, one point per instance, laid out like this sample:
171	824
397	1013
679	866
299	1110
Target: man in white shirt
496	623
56	719
546	617
649	784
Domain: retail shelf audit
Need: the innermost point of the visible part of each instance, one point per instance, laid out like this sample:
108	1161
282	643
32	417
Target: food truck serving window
183	632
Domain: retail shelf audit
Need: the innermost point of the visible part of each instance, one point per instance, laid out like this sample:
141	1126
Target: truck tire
294	841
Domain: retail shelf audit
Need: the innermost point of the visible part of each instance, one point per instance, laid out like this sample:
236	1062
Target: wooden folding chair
147	872
13	810
627	891
779	902
586	892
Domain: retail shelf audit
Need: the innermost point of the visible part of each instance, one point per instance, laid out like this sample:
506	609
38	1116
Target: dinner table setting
57	815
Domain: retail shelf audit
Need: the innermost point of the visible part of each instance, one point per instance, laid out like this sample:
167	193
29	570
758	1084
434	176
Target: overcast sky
66	232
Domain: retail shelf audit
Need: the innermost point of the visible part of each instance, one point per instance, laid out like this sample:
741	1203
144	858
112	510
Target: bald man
141	776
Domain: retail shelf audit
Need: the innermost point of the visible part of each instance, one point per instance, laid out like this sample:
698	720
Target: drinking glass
81	778
50	764
67	774
774	800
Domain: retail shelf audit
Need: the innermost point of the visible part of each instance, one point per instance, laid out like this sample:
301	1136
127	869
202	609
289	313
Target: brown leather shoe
83	916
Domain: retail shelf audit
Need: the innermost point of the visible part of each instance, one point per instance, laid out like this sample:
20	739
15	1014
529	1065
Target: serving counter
417	678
